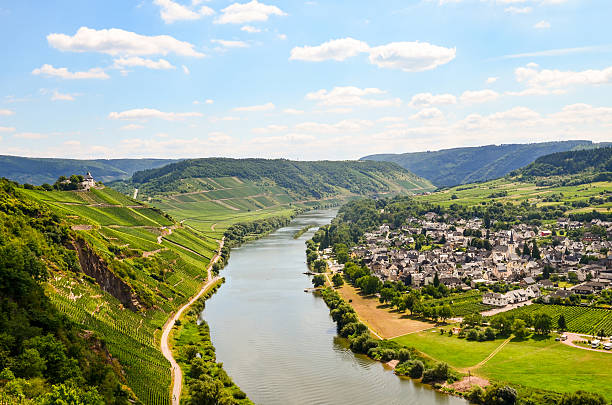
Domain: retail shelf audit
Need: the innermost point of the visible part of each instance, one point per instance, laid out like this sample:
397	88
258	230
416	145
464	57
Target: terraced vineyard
163	275
578	319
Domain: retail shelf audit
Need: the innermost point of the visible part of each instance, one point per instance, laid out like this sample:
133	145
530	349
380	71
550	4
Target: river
279	344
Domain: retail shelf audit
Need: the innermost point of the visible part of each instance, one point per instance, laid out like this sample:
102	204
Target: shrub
403	355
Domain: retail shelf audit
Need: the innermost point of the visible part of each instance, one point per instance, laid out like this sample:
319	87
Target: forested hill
301	178
569	163
46	170
449	167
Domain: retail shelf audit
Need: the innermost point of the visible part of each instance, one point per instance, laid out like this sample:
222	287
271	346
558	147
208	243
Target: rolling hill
450	167
46	170
298	178
596	161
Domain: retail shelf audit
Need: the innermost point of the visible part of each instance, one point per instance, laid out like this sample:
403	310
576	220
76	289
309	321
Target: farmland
579	319
462	303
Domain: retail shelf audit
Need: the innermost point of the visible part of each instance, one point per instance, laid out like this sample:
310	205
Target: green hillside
117	268
301	179
450	167
593	161
47	170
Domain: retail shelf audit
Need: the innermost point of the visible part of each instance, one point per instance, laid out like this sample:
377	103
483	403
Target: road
572	337
177	374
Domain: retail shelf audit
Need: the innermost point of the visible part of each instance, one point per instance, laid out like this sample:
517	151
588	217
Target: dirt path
572	337
490	356
177	374
499	310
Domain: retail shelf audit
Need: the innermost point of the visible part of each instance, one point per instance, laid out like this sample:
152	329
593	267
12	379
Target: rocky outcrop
94	266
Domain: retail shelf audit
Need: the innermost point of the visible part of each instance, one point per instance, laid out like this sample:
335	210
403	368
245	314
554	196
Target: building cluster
391	254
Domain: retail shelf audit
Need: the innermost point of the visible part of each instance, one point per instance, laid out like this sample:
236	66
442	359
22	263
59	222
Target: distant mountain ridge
46	170
301	178
569	163
450	167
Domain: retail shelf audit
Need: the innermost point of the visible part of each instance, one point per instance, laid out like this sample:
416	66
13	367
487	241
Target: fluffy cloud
548	78
64	73
230	44
269	129
352	96
252	11
57	96
7	129
479	96
148	113
337	49
136	61
117	42
256	108
353	125
411	56
131	127
6	112
293	111
542	25
407	56
427	99
172	11
428	114
491	80
250	29
518	10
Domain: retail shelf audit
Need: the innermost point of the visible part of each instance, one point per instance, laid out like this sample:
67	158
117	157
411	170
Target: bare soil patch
385	322
81	227
467	383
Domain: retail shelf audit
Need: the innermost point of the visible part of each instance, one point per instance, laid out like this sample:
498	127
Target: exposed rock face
94	266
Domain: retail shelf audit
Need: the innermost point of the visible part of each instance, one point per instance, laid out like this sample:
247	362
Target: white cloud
29	135
542	25
219	137
185	69
336	49
352	125
226	118
6	112
118	42
293	111
172	11
136	61
559	52
390	119
407	56
250	29
256	108
411	56
281	36
64	73
491	80
427	99
518	10
549	78
209	101
147	113
252	11
428	114
7	129
270	129
283	139
57	96
131	127
352	96
230	44
576	114
478	96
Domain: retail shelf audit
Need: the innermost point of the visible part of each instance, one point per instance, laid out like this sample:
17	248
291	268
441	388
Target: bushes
412	368
440	372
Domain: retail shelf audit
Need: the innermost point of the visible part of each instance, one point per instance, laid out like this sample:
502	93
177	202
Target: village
565	258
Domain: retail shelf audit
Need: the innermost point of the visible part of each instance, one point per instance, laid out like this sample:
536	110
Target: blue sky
300	79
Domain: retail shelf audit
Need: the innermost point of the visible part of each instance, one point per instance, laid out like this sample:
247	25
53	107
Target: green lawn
458	353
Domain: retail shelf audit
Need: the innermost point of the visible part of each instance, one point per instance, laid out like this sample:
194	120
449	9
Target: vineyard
462	304
578	319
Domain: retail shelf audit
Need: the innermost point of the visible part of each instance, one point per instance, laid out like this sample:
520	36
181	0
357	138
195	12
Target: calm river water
279	344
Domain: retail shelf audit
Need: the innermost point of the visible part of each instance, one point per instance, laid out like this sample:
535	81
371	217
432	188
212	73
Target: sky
307	80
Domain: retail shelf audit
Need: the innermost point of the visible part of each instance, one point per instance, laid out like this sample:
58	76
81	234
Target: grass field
385	323
541	364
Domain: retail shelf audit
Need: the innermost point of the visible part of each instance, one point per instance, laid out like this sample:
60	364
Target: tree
561	323
445	312
318	280
416	371
535	252
337	280
582	398
526	250
436	280
519	328
387	294
542	324
498	395
70	394
205	391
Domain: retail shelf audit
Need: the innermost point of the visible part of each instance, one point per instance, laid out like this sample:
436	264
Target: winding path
177	374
